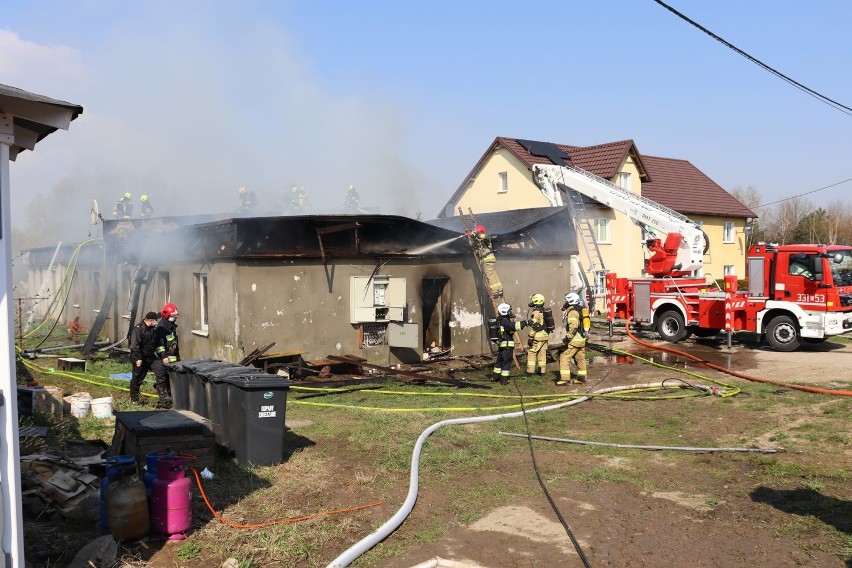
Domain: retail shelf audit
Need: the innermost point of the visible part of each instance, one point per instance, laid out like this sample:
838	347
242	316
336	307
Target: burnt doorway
436	313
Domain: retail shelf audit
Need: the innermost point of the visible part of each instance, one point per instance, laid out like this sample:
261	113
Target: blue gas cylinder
116	466
151	460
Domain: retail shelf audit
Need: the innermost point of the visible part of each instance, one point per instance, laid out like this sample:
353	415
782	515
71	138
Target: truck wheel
782	334
671	327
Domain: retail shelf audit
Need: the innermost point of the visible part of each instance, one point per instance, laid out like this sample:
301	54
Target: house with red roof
503	180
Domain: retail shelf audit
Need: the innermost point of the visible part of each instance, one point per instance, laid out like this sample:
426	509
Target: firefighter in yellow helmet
298	199
576	331
146	210
352	199
538	337
247	201
124	207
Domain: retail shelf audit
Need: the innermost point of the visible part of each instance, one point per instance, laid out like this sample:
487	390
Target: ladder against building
592	275
469	224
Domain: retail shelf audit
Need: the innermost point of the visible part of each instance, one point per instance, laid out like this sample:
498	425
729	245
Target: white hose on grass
638	447
356	550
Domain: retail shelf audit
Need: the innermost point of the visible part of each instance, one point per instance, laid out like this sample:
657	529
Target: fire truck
795	294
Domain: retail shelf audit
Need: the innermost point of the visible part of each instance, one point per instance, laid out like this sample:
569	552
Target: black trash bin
197	384
256	410
179	381
217	398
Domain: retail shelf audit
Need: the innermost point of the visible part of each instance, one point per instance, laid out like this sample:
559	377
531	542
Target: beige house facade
503	180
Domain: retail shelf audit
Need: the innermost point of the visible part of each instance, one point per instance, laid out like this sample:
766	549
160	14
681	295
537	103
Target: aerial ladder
685	245
469	224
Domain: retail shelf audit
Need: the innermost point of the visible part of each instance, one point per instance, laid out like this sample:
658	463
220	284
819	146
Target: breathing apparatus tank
549	323
493	330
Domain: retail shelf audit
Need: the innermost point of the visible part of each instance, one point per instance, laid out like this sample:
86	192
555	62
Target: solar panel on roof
547	150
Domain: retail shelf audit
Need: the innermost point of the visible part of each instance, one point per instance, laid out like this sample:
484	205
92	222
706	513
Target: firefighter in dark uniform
142	353
538	338
166	349
506	328
124	207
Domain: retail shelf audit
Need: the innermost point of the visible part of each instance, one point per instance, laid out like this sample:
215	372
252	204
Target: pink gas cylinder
171	499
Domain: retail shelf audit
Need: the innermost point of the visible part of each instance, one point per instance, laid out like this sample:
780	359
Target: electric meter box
403	335
376	299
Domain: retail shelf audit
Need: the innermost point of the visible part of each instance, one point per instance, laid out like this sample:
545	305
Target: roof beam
42	113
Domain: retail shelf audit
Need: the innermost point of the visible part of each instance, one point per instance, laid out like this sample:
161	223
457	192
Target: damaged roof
529	231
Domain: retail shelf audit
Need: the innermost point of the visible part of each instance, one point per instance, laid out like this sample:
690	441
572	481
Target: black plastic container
256	410
217	398
197	384
179	381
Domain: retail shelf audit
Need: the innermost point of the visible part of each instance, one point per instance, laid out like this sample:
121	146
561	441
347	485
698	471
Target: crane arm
685	244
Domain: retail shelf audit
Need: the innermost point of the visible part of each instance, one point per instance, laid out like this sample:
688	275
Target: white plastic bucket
80	406
102	407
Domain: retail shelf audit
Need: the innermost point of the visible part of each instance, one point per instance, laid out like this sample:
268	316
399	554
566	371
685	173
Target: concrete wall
303	305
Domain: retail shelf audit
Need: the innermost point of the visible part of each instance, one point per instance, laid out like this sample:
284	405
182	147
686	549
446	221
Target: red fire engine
796	293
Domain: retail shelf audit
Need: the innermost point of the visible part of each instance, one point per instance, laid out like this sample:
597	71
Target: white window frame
203	314
601	227
730	270
624	180
728	232
503	186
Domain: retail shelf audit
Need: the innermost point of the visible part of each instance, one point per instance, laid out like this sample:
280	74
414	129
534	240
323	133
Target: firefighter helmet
127	196
504	309
536	300
241	190
351	188
143	198
572	299
480	229
169	310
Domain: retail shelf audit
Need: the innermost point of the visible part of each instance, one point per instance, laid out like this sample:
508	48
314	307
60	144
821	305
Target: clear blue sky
189	100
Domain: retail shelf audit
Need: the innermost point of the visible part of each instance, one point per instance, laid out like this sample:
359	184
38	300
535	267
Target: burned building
381	287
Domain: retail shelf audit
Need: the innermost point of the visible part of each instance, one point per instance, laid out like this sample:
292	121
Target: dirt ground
708	509
621	525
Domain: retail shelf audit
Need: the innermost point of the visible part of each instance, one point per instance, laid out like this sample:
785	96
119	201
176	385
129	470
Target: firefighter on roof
145	209
484	246
247	200
576	331
298	199
124	208
537	354
352	199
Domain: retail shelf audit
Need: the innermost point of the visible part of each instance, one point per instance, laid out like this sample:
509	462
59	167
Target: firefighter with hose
484	246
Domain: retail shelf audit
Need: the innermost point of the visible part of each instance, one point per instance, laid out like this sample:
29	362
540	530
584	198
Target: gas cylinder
171	499
151	460
127	508
115	466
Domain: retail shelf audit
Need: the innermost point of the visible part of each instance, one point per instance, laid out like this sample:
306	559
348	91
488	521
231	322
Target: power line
801	194
822	98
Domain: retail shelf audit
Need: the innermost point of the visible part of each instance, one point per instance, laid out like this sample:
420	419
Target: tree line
797	220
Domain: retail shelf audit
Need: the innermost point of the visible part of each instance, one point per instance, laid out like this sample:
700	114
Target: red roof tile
679	185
